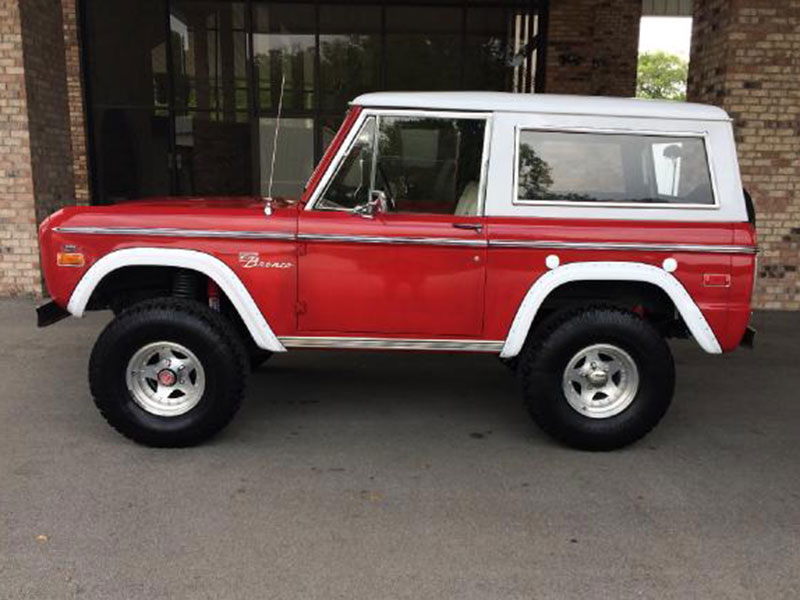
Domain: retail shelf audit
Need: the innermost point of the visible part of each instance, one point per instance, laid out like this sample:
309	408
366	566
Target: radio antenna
275	142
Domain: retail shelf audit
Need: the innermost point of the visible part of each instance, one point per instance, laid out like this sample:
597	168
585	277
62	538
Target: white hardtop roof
542	103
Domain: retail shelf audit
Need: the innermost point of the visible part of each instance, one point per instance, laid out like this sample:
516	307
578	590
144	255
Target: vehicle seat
468	203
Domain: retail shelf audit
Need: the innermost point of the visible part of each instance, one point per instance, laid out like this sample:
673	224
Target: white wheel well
552	280
193	260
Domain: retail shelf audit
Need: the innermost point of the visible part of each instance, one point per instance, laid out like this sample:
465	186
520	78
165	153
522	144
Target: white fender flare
608	271
201	262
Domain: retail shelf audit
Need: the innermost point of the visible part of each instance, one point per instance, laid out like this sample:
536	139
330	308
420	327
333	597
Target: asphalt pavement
398	475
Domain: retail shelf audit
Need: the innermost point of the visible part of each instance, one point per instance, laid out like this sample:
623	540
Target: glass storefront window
423	48
209	55
284	45
132	153
212	154
349	53
486	48
128	53
186	92
294	159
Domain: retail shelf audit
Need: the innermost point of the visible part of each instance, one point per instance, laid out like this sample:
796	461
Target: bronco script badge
252	260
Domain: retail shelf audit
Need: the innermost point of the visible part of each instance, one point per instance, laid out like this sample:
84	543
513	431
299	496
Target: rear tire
168	372
510	363
598	378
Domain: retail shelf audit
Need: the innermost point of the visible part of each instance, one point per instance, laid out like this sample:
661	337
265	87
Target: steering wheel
391	204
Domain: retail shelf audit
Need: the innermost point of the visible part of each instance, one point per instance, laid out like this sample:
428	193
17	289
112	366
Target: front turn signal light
70	259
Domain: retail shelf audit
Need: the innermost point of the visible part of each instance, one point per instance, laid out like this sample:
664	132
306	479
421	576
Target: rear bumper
49	313
749	338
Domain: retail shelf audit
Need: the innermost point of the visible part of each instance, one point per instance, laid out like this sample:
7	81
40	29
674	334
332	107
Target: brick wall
744	59
592	47
80	168
48	111
42	142
19	255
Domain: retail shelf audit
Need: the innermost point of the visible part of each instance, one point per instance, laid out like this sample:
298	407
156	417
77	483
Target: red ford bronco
569	236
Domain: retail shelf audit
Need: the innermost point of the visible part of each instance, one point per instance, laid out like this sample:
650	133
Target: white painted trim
541	103
608	271
204	263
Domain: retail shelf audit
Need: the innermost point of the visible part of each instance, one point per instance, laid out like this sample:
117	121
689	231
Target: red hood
243	213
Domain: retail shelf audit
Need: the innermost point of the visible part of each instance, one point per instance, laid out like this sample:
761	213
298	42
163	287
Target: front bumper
49	313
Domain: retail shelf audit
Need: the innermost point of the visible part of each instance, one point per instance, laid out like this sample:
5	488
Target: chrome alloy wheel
600	381
165	379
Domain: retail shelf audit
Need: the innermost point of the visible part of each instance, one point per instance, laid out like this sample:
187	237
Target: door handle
472	226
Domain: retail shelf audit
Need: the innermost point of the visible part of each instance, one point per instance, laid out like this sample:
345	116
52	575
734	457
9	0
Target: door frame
410	238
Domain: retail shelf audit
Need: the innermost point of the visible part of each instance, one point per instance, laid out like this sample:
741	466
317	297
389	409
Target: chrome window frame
701	135
333	169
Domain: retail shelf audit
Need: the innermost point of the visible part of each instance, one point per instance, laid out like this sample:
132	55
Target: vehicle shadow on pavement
353	385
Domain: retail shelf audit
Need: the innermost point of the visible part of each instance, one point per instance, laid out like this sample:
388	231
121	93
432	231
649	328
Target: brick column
48	109
41	138
19	256
593	47
744	59
80	168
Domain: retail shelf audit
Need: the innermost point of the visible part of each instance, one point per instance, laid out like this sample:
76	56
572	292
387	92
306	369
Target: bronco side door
413	267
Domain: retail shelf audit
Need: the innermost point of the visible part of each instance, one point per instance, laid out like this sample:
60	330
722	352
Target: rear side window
612	168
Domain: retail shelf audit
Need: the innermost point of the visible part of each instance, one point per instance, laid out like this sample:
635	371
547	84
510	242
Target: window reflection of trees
348	67
535	175
536	179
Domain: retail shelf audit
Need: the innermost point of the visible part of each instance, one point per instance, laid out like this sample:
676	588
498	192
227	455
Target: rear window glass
618	168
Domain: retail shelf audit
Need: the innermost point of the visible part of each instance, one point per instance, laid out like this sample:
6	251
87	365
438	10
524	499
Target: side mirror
377	204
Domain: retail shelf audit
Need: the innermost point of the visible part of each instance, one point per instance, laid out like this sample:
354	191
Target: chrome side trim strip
430	241
374	239
175	232
354	343
636	246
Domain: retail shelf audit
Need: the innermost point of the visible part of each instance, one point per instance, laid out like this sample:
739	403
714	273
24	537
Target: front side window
617	168
350	186
429	165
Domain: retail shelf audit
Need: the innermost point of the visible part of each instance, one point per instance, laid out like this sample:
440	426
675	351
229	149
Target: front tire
597	379
168	372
